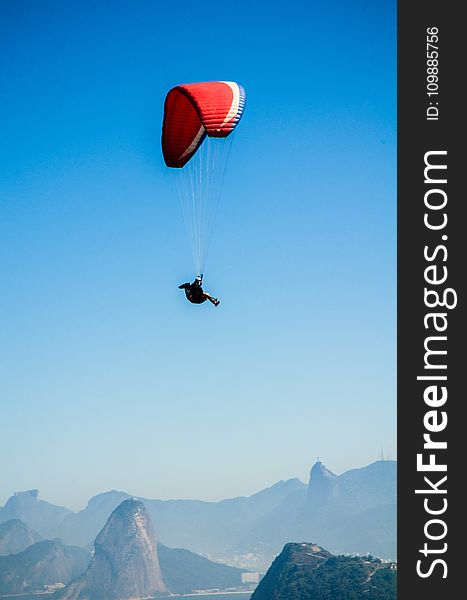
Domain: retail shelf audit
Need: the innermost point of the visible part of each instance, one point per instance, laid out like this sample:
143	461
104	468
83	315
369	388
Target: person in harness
195	294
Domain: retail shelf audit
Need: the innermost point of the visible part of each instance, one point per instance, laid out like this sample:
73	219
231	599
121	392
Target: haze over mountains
42	564
127	563
42	516
351	513
16	536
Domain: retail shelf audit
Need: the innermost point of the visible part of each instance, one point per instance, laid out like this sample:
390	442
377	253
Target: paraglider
195	294
199	119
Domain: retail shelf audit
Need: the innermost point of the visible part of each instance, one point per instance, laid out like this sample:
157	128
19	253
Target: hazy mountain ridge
44	563
350	513
358	506
16	536
40	515
197	525
357	489
353	512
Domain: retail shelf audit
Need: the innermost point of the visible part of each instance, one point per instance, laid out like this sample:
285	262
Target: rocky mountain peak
323	484
129	524
106	499
16	536
38	514
319	472
26	497
125	564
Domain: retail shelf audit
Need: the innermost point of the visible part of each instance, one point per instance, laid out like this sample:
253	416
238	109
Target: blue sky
108	377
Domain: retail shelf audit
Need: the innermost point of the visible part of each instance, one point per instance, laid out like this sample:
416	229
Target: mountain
39	515
44	563
209	528
185	571
125	563
16	536
290	571
354	490
49	563
354	512
350	513
82	528
304	571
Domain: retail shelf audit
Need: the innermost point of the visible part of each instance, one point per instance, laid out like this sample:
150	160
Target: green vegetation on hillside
307	572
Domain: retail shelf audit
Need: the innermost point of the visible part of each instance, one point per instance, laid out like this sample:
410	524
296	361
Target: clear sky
109	378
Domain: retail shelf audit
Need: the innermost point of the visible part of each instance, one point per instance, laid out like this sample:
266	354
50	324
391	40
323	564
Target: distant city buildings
251	577
52	587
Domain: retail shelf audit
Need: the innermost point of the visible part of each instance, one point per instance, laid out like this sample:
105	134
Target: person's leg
214	301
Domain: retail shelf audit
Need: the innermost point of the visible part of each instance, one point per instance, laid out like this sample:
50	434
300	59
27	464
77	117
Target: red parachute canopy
195	110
